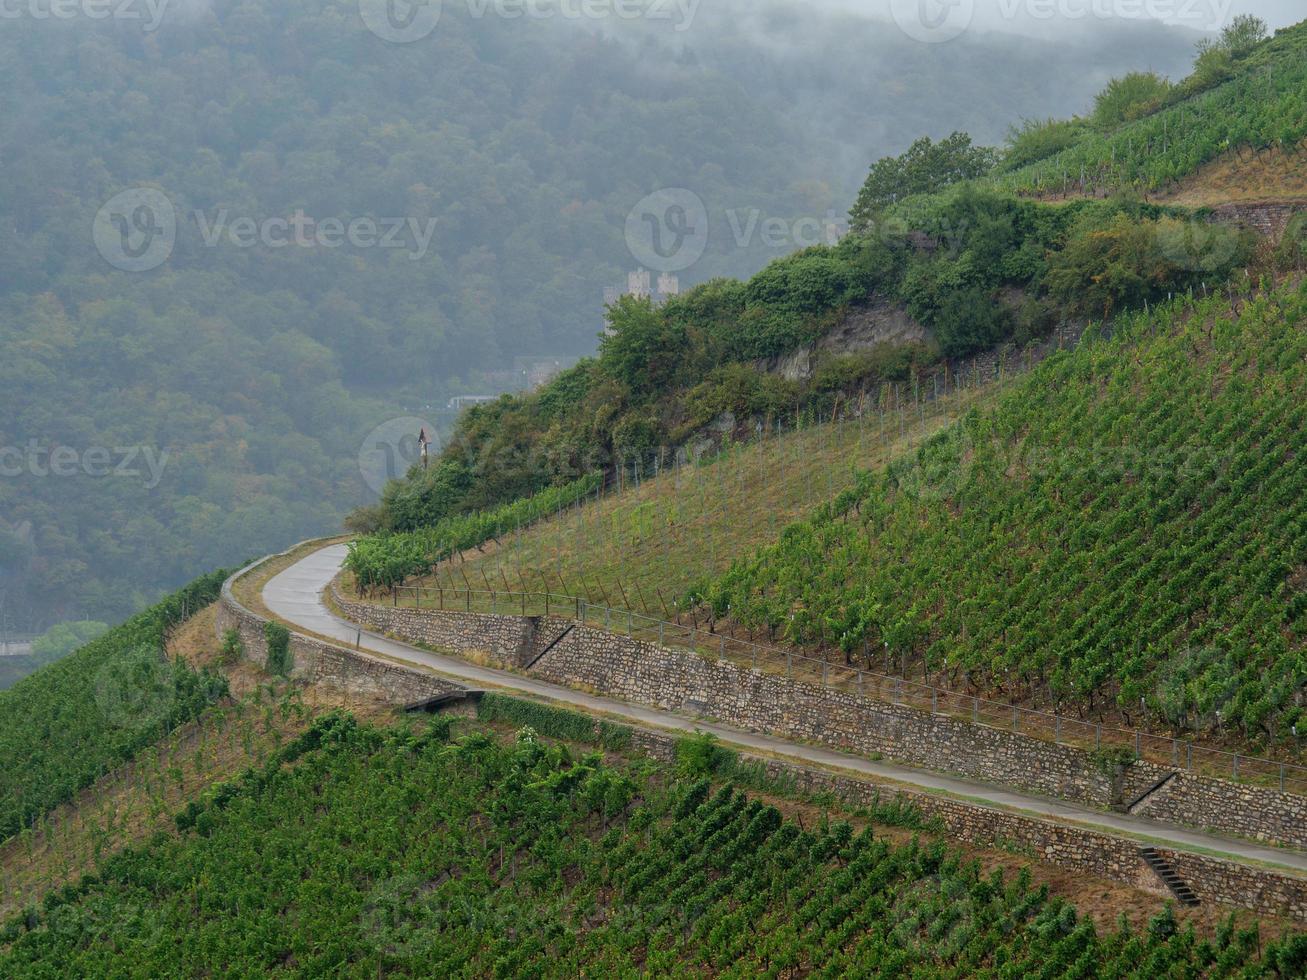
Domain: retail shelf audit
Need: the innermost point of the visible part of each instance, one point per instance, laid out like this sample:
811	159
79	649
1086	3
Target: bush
740	390
1111	263
1130	97
1039	139
233	648
279	657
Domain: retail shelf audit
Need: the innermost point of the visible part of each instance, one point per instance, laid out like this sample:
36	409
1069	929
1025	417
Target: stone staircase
1162	868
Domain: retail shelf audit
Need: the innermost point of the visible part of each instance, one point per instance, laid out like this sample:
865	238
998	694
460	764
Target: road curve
295	595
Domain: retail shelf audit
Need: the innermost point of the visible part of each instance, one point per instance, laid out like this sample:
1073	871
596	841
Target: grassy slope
478	858
643	547
1130	521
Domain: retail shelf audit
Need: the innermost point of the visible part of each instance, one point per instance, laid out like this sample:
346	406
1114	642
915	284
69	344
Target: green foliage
59	641
277	637
1118	261
1242	35
71	722
553	721
262	369
1256	101
1039	139
383	560
642	349
926	168
700	755
1129	98
1127	523
476	858
233	647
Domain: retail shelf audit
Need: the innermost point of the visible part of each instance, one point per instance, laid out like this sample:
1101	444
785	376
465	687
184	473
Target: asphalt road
295	595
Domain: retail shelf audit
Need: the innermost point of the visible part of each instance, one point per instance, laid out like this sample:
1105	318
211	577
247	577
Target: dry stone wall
677	680
1261	890
317	662
1268	220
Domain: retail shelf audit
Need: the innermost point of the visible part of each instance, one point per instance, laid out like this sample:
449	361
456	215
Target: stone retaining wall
678	680
1263	891
1268	220
317	662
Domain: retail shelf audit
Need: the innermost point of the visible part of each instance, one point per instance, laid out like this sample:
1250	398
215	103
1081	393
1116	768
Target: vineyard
640	540
391	559
1264	107
1127	526
73	721
429	856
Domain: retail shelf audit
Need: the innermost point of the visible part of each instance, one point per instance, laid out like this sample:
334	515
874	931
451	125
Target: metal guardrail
1179	754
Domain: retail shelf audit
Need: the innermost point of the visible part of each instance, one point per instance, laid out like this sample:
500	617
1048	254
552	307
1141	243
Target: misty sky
1057	16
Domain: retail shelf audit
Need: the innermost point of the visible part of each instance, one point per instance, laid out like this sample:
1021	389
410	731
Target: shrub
1039	139
279	656
233	648
1130	97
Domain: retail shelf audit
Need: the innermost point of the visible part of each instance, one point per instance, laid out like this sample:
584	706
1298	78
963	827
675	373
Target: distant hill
520	146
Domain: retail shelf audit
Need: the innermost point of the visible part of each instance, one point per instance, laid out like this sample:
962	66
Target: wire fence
1164	750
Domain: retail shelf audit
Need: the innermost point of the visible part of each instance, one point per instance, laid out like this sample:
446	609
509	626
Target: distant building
637	284
460	402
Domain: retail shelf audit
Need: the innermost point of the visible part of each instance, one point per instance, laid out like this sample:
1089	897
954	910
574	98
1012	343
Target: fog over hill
360	228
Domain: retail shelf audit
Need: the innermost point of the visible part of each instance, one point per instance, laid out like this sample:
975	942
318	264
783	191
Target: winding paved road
295	595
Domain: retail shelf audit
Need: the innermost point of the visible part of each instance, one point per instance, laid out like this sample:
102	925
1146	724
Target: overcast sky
942	18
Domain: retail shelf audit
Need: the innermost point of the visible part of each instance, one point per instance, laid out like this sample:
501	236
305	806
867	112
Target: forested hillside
472	857
518	145
943	233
